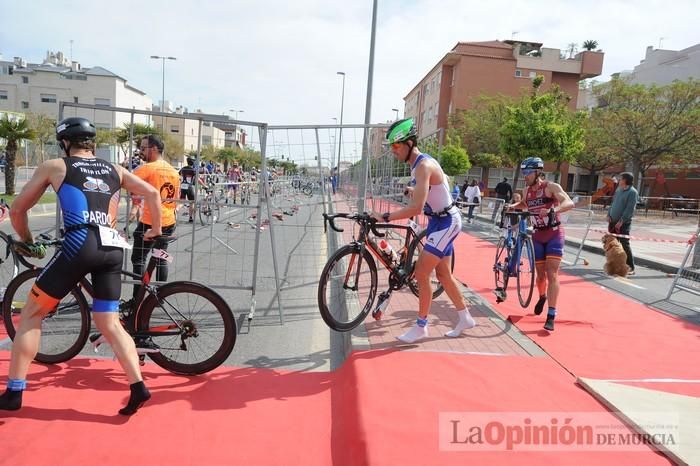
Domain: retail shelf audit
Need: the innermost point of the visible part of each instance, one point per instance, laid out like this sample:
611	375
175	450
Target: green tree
44	129
227	155
13	131
123	135
541	125
590	45
596	156
174	149
455	160
649	126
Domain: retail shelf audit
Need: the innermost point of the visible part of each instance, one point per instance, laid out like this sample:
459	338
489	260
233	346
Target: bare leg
443	271
552	268
424	267
121	342
26	342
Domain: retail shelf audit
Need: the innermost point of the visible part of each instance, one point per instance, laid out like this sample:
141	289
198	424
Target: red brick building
493	67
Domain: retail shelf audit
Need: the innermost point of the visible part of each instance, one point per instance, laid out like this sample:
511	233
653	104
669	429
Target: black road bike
348	284
184	327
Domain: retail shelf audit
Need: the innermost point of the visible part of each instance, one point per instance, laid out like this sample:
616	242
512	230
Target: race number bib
162	254
111	237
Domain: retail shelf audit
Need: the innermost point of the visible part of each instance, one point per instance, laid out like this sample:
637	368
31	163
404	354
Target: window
25	79
449	109
174	129
454	77
75	100
48	98
25	104
99	101
532	74
206	140
3	95
518	73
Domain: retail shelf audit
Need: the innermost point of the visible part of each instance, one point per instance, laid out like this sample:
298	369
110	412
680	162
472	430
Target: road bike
209	205
184	327
515	257
348	283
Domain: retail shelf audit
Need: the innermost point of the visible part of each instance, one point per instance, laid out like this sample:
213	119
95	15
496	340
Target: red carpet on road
599	334
380	408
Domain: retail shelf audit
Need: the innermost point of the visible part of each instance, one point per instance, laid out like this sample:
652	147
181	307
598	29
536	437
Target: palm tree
226	156
590	45
13	131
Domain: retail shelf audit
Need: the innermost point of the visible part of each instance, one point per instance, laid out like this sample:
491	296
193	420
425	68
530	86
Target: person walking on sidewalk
431	195
545	200
88	189
473	198
621	212
503	191
162	176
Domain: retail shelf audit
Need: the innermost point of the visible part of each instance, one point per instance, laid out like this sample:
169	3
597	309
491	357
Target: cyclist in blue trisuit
431	195
545	200
88	189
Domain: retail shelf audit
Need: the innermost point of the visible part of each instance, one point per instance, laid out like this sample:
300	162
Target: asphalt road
223	258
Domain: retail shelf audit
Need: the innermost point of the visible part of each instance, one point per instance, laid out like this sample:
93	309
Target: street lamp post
340	136
397	112
162	102
235	113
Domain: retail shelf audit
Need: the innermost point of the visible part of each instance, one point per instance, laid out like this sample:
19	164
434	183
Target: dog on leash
615	256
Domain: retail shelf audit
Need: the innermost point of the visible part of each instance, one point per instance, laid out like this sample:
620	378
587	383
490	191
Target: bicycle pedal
96	339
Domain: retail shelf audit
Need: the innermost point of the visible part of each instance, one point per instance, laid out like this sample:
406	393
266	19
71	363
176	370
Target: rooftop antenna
513	34
71	51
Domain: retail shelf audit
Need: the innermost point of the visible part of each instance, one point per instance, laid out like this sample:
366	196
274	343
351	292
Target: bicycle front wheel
191	325
500	266
416	250
347	288
64	329
526	272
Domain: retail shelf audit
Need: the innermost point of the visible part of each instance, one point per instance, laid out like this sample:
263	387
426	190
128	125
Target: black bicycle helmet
75	129
190	161
532	163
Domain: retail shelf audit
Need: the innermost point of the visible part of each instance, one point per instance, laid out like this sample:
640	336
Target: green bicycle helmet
401	131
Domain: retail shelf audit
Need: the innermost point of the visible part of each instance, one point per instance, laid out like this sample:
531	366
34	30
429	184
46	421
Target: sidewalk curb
652	264
666	268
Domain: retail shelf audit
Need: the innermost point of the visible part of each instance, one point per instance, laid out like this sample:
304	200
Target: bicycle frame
515	250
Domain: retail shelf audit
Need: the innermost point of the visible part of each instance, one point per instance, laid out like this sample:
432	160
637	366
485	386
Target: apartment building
659	67
39	87
493	67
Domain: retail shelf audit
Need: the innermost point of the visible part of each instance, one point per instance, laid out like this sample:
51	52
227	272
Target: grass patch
47	198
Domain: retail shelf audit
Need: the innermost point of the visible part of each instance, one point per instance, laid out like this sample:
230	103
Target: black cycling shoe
549	324
540	305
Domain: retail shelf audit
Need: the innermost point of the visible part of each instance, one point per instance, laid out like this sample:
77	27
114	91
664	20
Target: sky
276	61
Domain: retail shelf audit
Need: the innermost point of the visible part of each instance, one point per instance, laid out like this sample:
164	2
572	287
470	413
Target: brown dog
615	256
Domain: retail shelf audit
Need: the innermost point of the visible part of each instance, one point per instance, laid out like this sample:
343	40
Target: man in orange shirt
162	176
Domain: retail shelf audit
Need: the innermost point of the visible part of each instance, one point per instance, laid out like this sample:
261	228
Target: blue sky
277	60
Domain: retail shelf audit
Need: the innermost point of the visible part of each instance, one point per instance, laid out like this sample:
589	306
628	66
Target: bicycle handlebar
363	219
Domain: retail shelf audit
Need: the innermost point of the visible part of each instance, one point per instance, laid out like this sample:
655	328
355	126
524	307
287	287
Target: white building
662	67
38	88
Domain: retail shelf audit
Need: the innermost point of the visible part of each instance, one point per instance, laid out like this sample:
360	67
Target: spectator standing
620	214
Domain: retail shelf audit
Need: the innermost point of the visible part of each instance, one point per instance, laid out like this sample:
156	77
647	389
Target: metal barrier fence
688	276
222	245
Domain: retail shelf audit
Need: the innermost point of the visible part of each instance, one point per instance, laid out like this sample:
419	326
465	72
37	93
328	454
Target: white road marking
628	283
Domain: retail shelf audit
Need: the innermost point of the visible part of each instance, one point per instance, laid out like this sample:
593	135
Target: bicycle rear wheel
416	249
347	288
64	329
526	272
209	213
500	266
191	325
